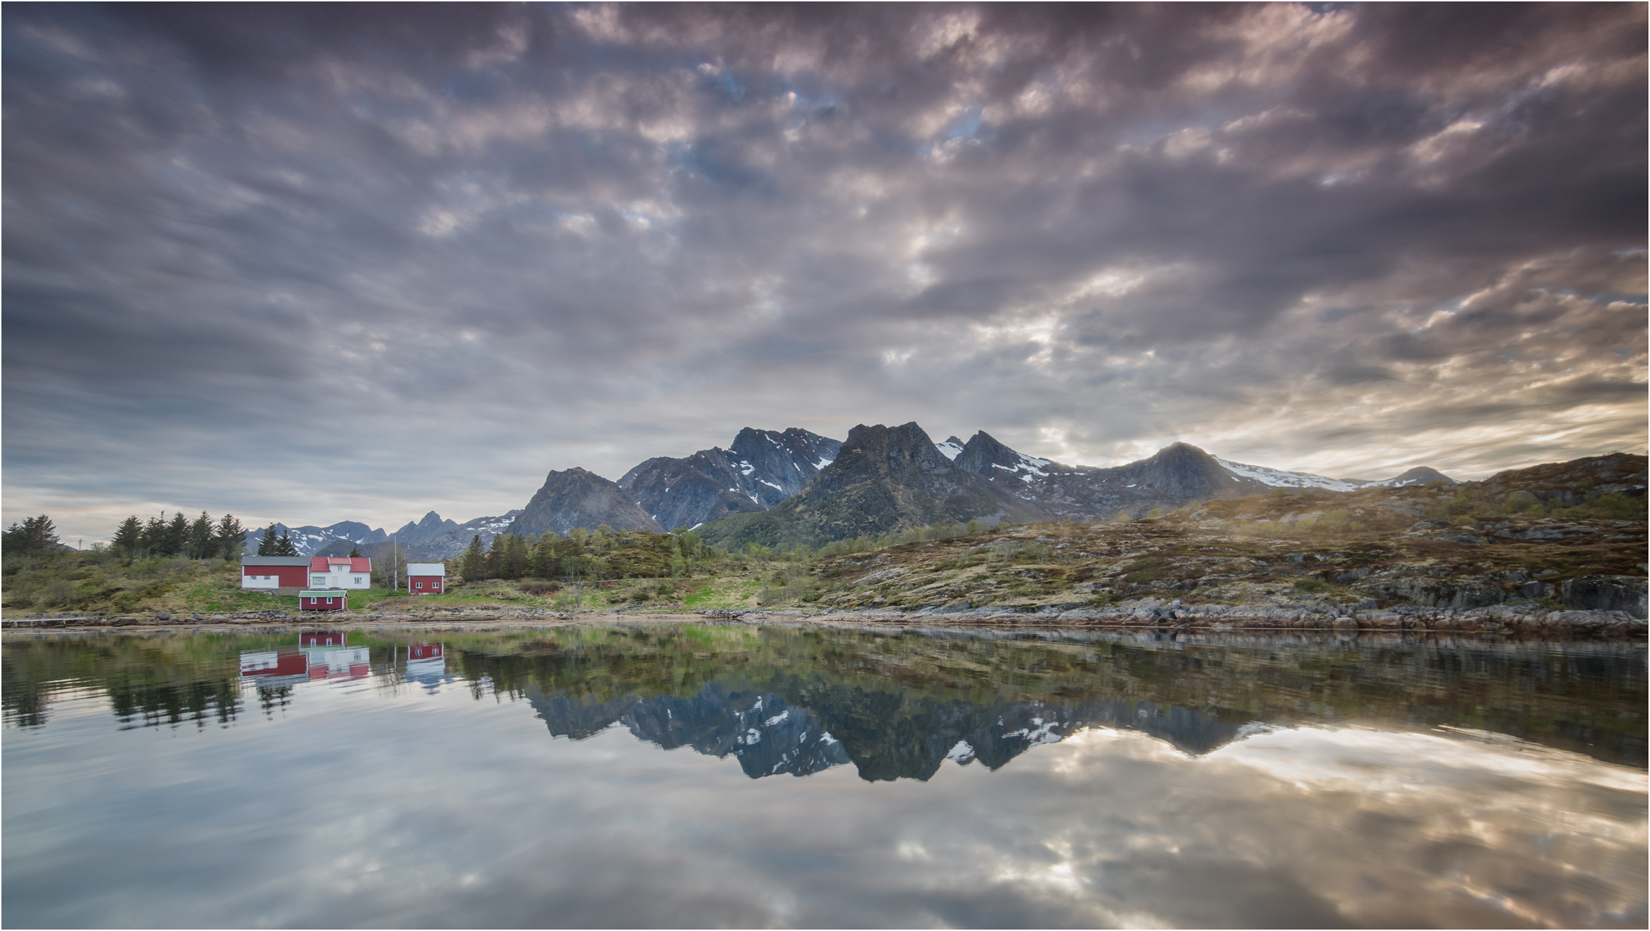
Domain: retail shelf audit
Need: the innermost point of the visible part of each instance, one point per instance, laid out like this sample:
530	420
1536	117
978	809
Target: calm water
793	776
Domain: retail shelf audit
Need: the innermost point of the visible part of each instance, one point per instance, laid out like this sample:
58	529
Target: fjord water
802	776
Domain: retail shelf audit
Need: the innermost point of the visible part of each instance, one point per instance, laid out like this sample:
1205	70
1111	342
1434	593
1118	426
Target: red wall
432	583
320	604
296	576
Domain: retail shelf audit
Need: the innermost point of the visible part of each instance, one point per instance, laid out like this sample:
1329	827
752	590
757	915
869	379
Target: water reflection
966	781
318	655
882	734
796	701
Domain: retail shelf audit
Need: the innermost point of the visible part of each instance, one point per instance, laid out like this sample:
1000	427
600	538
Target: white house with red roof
340	572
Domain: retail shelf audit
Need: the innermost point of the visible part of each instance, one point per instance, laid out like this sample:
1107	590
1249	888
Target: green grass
735	592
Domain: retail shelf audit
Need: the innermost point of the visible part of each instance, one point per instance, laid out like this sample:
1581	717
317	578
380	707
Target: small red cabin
322	600
426	578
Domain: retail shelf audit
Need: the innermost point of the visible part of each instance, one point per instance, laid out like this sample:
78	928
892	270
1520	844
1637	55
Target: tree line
584	555
202	538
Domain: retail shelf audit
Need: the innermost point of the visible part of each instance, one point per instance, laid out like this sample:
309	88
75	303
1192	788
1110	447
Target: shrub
537	587
1311	584
1521	502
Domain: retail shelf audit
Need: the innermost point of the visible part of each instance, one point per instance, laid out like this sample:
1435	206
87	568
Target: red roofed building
272	572
340	572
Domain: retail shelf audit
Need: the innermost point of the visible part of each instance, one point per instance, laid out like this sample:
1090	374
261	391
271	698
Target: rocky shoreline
1167	615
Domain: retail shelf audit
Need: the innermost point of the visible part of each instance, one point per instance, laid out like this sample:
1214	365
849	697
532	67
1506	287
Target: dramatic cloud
324	262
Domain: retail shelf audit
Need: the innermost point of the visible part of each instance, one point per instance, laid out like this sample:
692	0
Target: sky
329	262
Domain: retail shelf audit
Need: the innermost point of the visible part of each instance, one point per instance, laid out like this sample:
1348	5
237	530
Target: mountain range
795	486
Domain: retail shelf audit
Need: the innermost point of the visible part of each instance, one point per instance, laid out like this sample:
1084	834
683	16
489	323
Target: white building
340	572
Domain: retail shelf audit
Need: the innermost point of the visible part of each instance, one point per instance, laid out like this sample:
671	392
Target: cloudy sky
328	262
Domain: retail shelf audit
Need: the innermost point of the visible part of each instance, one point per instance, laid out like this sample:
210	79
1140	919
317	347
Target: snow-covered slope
1278	478
951	448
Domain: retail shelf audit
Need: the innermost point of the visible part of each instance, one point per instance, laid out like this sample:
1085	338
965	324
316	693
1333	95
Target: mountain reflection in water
521	779
879	733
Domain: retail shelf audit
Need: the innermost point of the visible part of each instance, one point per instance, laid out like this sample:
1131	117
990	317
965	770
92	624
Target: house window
358	580
329	601
418	585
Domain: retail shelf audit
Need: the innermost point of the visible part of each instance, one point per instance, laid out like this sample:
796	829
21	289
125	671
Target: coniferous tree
231	538
34	536
128	539
284	546
154	535
514	561
268	543
494	566
474	563
355	552
177	534
543	562
203	541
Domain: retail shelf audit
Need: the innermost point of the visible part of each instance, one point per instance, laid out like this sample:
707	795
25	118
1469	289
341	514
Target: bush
1311	585
537	587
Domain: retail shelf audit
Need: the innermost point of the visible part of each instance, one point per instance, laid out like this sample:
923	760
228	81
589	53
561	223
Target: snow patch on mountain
951	448
1027	469
1278	478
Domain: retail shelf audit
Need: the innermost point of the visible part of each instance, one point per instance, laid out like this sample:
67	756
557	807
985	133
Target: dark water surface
797	776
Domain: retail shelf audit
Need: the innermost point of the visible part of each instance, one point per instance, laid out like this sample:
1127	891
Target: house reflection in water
318	655
426	663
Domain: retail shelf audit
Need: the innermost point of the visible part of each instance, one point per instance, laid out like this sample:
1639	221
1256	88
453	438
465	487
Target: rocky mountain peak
1420	475
1181	471
983	453
579	498
759	470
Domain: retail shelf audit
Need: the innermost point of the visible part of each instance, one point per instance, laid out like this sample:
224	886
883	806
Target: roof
327	564
427	568
274	560
322	594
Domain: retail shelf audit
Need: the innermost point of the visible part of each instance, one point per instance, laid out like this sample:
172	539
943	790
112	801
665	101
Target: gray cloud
247	249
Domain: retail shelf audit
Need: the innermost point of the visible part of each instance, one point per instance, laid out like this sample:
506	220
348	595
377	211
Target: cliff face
578	498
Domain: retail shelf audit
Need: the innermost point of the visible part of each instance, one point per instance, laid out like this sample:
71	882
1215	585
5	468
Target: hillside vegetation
1563	535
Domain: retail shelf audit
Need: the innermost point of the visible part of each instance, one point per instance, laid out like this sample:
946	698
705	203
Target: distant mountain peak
580	498
1419	475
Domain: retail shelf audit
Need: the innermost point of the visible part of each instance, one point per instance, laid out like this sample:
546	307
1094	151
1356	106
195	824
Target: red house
426	578
273	572
332	600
